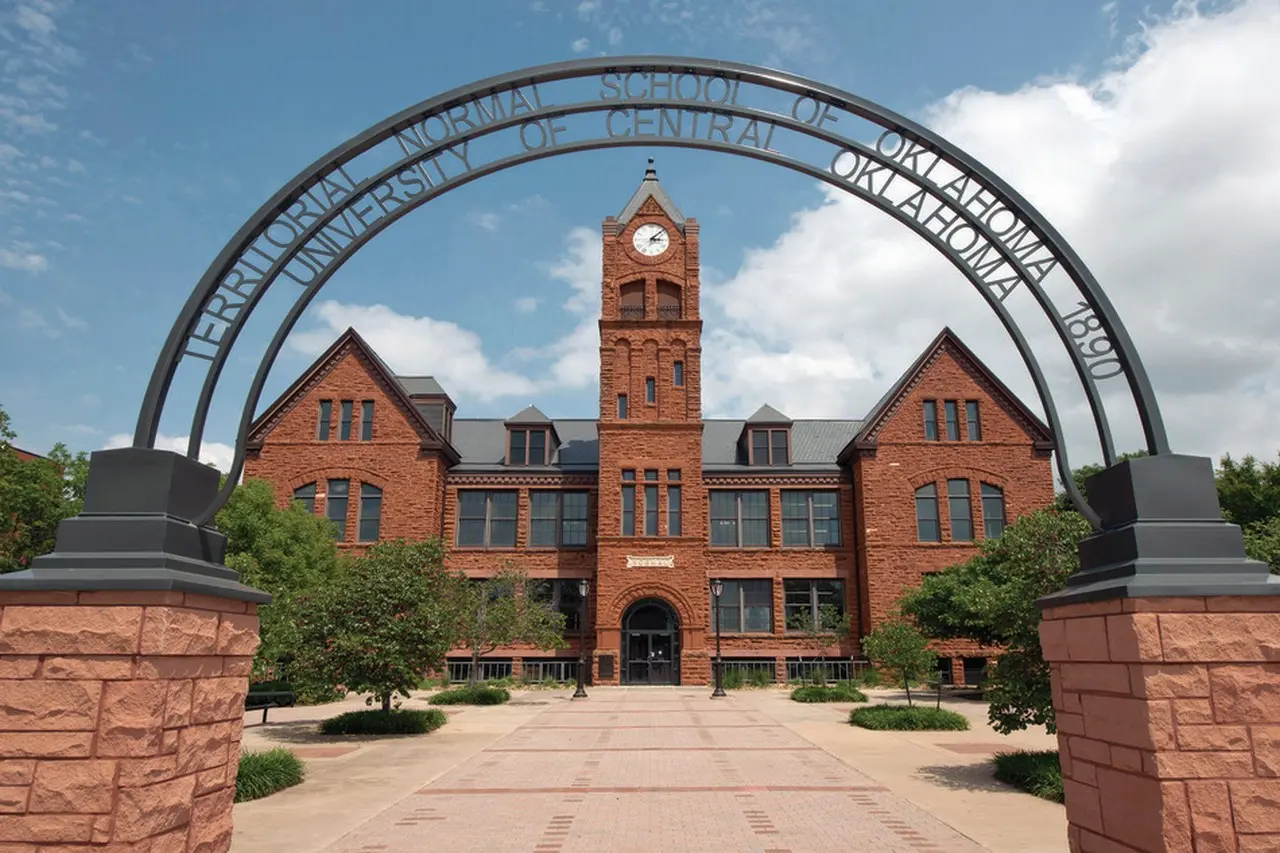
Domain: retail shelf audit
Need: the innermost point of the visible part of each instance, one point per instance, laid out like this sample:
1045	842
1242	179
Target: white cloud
416	345
487	221
25	261
579	45
576	356
71	322
9	154
214	453
526	304
615	36
1176	223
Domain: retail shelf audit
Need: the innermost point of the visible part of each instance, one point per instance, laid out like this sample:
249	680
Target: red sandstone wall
412	480
892	557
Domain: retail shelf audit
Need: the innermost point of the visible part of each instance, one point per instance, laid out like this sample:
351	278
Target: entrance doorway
650	643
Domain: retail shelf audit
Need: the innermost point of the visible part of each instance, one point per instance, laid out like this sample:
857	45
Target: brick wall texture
121	720
879	554
1168	717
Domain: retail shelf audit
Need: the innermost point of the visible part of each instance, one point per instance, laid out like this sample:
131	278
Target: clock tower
651	591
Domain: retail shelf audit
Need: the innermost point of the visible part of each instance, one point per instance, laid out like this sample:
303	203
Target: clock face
651	239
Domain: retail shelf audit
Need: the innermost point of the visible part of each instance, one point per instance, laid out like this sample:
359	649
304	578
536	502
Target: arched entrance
650	643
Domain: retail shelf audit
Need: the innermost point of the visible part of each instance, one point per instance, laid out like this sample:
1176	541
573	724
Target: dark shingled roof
414	385
767	414
530	414
814	446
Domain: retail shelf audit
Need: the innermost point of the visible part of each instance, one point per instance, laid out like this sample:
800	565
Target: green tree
1262	542
1248	490
991	600
287	552
820	632
380	624
34	496
898	646
501	610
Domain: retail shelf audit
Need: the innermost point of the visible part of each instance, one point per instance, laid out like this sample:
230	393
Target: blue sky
136	137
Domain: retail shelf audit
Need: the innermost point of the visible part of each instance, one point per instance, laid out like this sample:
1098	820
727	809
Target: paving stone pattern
654	770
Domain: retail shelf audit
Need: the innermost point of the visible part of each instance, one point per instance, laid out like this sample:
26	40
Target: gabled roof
351	340
421	385
767	414
530	414
650	189
946	341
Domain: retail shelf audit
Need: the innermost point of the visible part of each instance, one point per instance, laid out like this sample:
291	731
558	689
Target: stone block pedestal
120	719
1168	714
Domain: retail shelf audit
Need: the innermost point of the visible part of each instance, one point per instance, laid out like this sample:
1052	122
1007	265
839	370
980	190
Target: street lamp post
584	586
717	589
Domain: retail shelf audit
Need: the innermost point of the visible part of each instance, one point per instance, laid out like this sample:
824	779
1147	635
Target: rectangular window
993	519
622	407
563	596
746	606
628	510
344	433
537	447
335	508
961	513
810	519
674	520
806	600
930	420
769	447
519	447
971	419
326	416
953	421
740	519
370	512
927	529
677	377
651	474
366	421
557	519
650	510
650	391
306	495
673	474
487	519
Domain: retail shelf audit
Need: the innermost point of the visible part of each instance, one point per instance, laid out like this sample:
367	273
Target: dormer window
531	438
528	447
770	446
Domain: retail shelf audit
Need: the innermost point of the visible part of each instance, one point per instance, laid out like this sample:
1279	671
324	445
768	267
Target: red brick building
650	501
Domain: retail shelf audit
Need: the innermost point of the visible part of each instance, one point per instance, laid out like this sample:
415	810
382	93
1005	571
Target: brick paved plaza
653	770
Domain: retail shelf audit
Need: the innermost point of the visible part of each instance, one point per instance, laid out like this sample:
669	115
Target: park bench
268	699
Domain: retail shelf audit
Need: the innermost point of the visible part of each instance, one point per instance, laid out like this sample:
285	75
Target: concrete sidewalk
692	765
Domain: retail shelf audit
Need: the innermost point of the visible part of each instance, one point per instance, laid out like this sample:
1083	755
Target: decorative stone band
650	562
120	719
1168	716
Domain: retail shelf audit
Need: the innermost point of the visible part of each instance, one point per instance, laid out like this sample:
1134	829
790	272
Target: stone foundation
120	720
1168	714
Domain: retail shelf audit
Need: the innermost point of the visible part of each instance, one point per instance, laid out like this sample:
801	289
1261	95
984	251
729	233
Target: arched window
336	507
992	510
306	495
370	512
631	301
927	529
669	302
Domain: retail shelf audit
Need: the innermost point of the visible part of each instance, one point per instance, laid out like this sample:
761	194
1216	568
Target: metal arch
300	306
1124	353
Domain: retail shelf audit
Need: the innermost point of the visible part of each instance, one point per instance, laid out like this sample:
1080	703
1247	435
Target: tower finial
651	172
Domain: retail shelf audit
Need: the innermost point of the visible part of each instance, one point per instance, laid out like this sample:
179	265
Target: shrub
732	678
759	678
378	722
907	718
868	677
1038	773
841	692
482	695
263	773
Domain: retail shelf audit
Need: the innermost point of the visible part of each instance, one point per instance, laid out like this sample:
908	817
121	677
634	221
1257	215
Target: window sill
836	547
476	548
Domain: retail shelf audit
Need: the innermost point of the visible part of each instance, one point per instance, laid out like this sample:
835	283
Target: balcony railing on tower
668	312
632	312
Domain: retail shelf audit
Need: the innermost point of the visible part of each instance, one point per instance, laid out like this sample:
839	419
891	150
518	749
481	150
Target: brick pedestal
120	720
1168	714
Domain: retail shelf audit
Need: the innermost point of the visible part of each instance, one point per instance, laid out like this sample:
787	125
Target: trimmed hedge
1038	773
822	693
482	695
263	773
908	718
379	722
